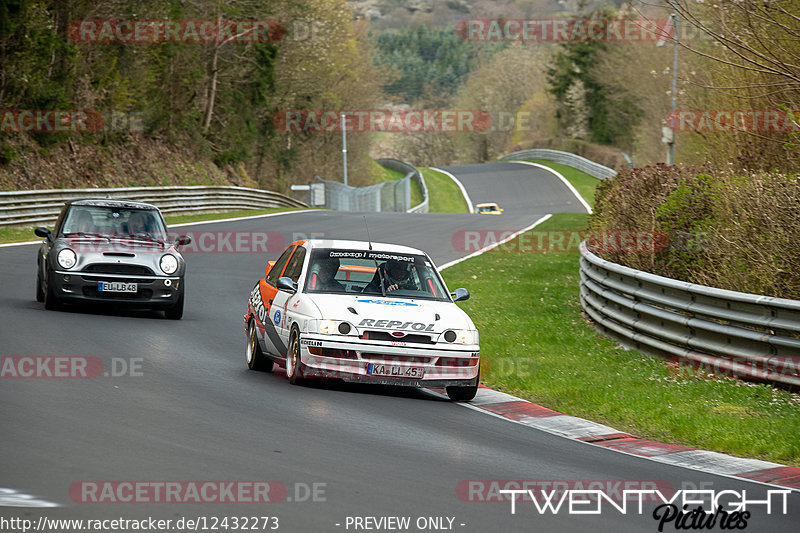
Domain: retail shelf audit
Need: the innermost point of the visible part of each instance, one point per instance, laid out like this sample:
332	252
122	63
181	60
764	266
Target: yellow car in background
488	209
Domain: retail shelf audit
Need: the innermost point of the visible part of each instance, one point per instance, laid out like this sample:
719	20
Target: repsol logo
258	304
396	324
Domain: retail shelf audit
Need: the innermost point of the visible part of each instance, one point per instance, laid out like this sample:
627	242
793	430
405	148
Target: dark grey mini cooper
111	251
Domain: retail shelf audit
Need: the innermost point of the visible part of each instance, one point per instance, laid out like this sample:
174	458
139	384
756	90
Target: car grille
118	268
454	361
395	358
411	338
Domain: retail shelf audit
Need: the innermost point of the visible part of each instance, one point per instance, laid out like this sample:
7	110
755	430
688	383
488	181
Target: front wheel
176	311
51	302
294	366
459	393
39	291
256	360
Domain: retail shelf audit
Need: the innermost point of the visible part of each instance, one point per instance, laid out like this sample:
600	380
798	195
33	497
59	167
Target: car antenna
367	228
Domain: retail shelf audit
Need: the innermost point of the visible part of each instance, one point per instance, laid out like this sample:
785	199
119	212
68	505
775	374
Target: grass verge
15	234
445	196
536	344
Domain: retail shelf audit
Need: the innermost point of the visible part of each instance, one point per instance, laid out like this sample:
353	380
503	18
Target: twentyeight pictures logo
175	31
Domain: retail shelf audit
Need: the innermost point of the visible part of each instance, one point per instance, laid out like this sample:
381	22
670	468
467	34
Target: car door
268	289
283	299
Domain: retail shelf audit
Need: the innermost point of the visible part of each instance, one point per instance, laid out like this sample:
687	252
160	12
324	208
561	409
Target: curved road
191	411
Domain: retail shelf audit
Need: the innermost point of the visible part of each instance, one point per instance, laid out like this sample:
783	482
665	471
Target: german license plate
116	286
375	369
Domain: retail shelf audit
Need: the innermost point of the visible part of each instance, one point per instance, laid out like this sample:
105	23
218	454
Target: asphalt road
191	411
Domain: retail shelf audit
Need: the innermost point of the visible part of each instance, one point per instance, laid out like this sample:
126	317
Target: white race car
362	312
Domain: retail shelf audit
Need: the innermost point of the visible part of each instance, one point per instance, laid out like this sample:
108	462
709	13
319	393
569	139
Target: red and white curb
535	416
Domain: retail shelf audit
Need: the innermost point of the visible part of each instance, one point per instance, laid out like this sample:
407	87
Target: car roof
361	245
492	204
107	202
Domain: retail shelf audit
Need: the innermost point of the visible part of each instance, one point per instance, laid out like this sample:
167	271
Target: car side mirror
286	284
43	233
460	295
183	239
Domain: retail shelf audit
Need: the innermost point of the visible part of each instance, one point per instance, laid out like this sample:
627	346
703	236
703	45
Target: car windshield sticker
387	302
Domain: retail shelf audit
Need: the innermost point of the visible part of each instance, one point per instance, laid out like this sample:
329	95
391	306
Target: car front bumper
366	361
152	291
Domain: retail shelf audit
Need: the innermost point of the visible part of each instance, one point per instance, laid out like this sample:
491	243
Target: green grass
444	194
16	234
536	344
583	182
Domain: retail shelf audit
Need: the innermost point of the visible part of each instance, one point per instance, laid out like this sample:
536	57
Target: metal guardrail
411	172
386	196
42	206
581	163
723	332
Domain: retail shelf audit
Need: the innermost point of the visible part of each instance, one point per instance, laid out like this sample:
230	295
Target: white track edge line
460	186
563	179
495	245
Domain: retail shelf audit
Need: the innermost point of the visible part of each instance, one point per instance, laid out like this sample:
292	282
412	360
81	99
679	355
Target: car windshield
373	272
114	222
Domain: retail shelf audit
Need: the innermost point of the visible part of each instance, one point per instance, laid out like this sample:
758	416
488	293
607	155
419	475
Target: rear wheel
294	367
256	360
459	393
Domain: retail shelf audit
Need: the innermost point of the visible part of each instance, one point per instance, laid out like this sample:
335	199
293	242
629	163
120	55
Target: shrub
737	232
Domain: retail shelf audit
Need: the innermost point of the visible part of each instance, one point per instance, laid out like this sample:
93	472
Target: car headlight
169	263
327	327
66	258
466	336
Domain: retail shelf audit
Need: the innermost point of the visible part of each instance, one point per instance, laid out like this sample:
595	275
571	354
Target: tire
176	311
459	393
51	302
39	291
294	367
256	360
